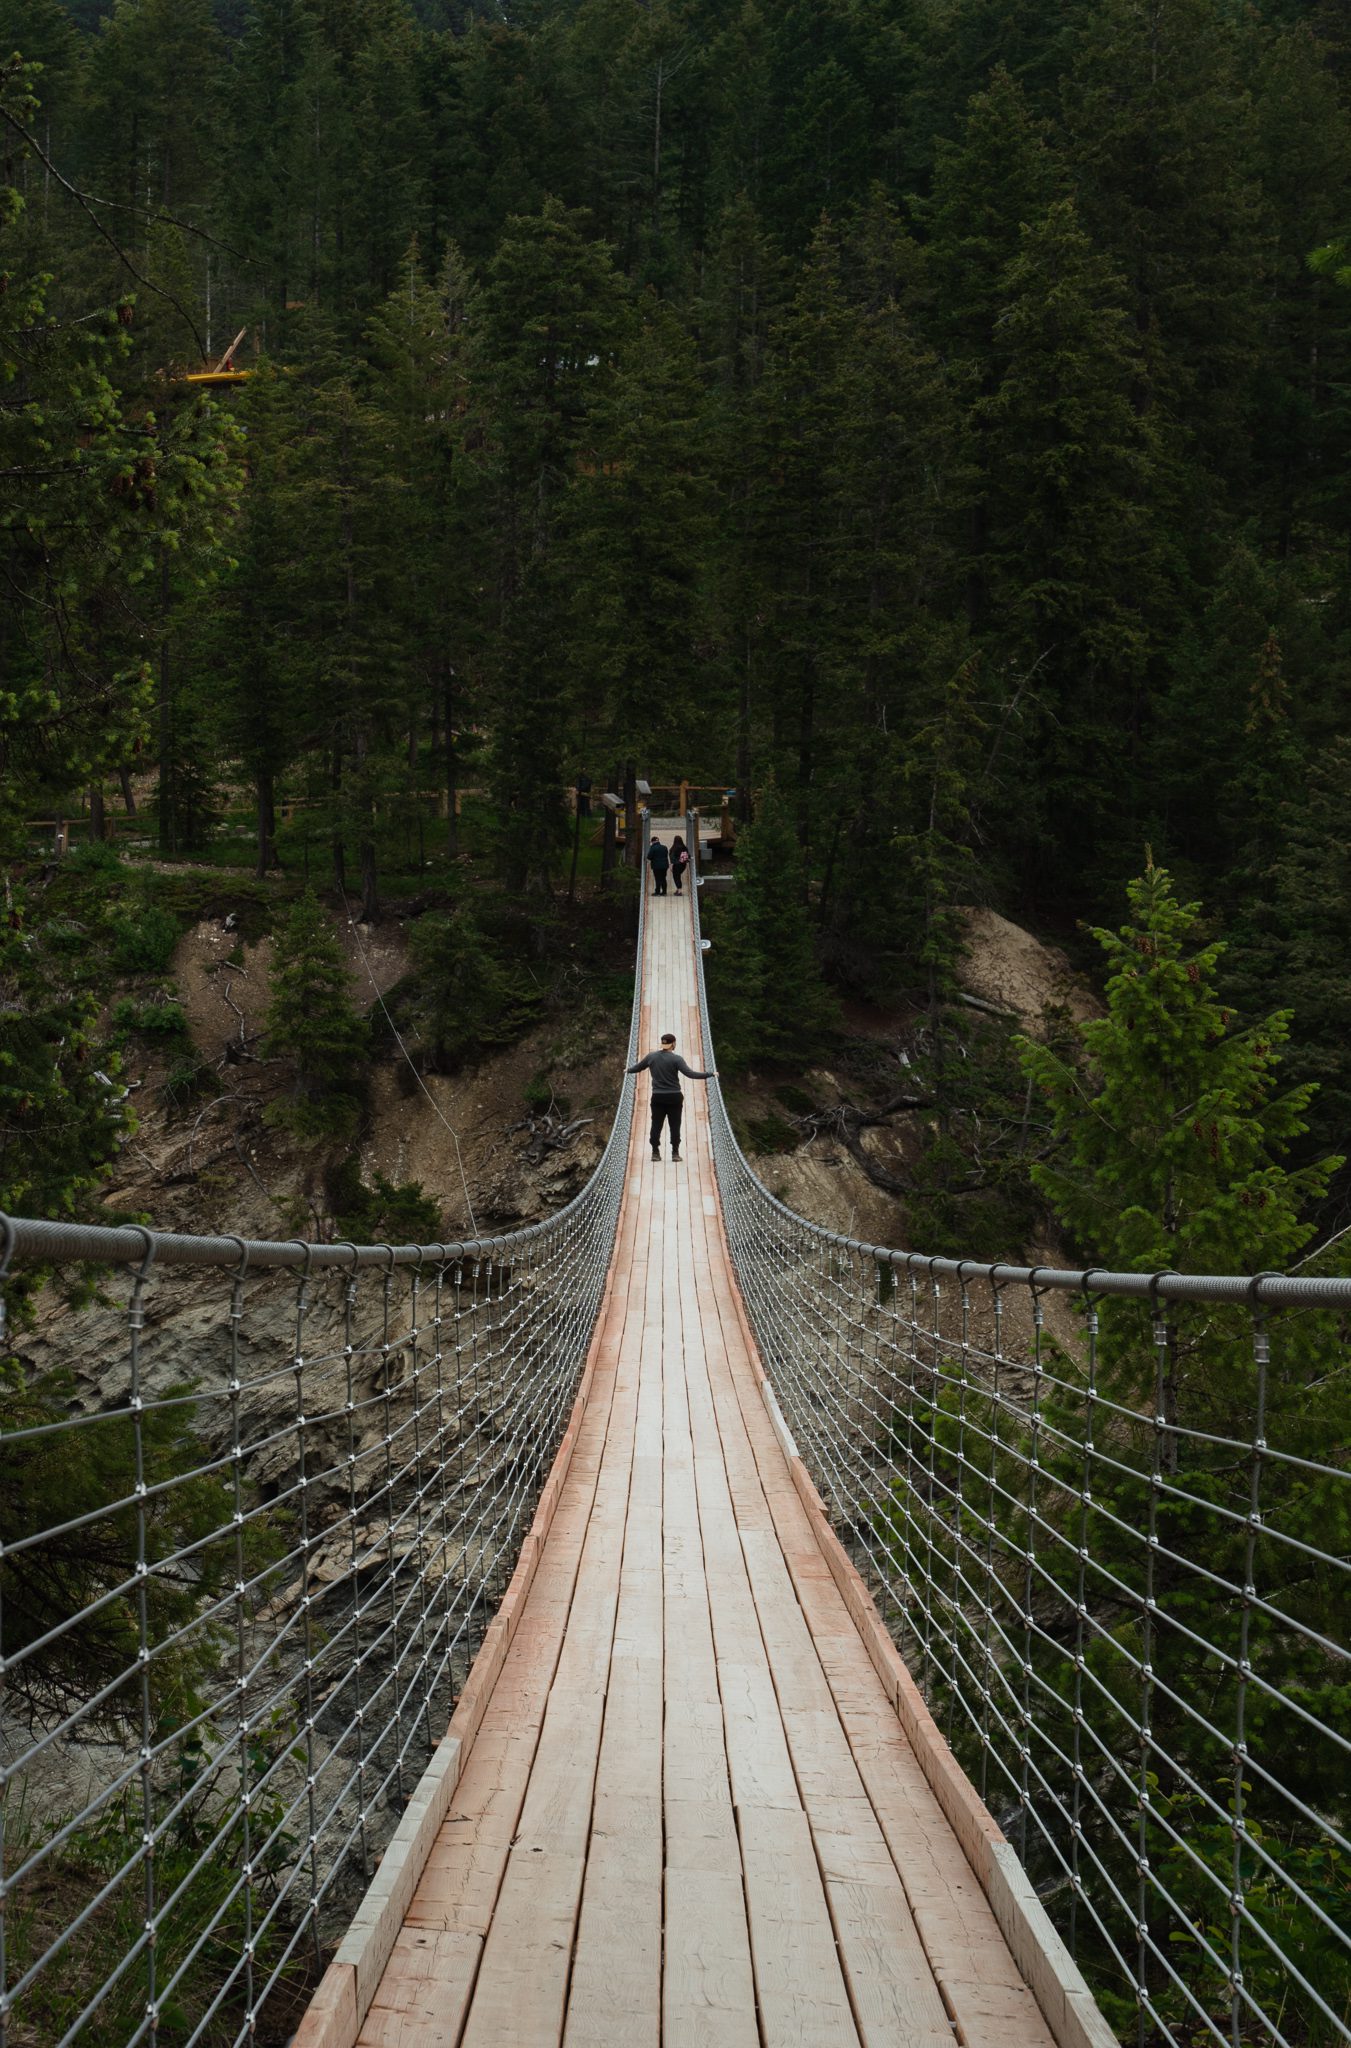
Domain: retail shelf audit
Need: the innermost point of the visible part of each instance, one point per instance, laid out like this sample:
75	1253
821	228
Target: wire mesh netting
254	1528
1107	1518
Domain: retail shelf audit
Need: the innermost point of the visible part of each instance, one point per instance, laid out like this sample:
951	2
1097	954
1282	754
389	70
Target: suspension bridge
669	1623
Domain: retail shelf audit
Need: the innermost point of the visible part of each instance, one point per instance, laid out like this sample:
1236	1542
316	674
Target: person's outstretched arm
646	1061
693	1073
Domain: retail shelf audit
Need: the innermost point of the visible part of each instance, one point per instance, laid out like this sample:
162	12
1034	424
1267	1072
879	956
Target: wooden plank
798	1981
708	1996
950	1914
614	1996
521	1990
689	1813
708	1991
422	2000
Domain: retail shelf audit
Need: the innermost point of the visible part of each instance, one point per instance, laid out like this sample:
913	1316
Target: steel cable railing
1116	1558
250	1547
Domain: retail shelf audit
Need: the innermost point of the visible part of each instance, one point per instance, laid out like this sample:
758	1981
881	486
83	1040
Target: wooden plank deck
689	1814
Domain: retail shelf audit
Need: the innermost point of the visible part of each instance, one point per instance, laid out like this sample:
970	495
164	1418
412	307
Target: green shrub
388	1212
196	1871
312	1021
94	857
540	1095
795	1100
143	939
162	1017
772	1134
466	996
65	935
189	1078
89	1470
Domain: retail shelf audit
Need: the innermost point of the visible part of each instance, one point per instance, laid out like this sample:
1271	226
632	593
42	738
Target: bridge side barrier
1106	1517
251	1544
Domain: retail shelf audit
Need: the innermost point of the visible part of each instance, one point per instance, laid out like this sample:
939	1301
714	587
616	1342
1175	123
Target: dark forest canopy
940	406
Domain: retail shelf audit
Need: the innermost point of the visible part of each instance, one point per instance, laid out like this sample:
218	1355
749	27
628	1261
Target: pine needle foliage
312	1022
765	954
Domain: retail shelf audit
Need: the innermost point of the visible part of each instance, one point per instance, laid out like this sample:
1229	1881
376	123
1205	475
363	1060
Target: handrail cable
261	1546
252	1555
1115	1560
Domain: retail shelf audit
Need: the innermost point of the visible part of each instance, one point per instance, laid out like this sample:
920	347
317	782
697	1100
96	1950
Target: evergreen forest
938	410
927	422
937	407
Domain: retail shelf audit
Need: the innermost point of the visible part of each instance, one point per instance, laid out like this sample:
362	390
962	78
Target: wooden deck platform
688	1812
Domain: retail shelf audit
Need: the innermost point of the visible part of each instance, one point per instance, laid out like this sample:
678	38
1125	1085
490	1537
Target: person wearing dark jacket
668	1104
658	859
680	860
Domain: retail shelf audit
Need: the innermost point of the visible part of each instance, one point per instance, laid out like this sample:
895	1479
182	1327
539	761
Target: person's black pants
667	1109
659	877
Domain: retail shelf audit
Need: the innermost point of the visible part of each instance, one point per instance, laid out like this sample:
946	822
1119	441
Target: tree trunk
370	899
828	879
609	846
168	836
631	832
743	742
98	824
128	793
452	760
335	782
576	849
267	823
656	149
806	758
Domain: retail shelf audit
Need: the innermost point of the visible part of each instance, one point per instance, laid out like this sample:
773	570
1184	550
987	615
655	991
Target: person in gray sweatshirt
668	1104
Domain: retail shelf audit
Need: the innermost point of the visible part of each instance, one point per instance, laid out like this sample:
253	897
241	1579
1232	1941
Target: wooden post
684	795
576	846
632	836
609	846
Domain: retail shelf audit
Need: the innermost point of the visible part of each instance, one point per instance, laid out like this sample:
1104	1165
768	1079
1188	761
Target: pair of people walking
668	1104
672	860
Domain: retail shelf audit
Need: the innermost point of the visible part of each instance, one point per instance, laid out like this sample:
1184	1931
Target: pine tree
1292	936
997	179
544	334
793	522
1171	1130
1071	554
1172	1135
465	997
1303	150
771	942
633	542
281	199
250	663
1159	132
155	78
437	549
109	502
312	1022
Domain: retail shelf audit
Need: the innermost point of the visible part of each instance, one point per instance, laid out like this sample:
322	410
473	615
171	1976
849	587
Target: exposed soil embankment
506	1139
898	1139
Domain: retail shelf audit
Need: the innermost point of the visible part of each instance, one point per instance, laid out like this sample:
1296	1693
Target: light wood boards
689	1814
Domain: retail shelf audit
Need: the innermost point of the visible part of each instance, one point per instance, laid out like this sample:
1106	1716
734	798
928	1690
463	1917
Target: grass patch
199	1874
772	1133
795	1100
